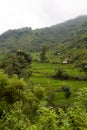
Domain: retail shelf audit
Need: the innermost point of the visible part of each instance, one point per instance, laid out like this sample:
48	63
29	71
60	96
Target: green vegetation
32	40
43	77
26	106
17	63
43	57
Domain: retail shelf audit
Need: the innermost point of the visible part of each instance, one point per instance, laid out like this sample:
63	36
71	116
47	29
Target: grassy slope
40	77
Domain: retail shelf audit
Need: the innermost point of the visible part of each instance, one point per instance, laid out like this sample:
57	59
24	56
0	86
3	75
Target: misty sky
38	13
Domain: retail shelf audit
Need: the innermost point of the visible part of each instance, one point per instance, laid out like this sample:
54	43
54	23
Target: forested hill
32	40
77	40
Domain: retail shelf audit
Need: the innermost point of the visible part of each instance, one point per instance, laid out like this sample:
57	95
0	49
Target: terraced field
41	76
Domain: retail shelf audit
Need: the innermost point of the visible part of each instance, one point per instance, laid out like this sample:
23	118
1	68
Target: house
65	61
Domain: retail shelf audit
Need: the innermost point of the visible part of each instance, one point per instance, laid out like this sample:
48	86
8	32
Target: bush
61	74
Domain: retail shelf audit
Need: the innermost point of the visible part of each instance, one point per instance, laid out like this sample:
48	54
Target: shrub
61	74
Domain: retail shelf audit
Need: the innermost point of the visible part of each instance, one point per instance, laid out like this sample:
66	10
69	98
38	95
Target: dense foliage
24	107
54	97
17	63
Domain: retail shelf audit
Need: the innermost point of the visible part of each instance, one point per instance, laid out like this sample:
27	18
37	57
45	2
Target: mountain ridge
31	40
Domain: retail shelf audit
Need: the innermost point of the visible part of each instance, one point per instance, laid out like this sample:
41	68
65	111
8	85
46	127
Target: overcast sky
38	13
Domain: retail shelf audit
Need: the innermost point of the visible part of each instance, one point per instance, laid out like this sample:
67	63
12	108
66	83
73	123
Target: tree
67	92
18	63
43	54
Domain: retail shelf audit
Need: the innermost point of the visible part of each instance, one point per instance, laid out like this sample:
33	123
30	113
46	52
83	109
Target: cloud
59	10
38	13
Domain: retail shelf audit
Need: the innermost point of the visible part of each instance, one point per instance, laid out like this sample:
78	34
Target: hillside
78	39
46	89
32	40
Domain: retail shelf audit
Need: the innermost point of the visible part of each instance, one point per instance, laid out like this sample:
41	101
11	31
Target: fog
38	13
